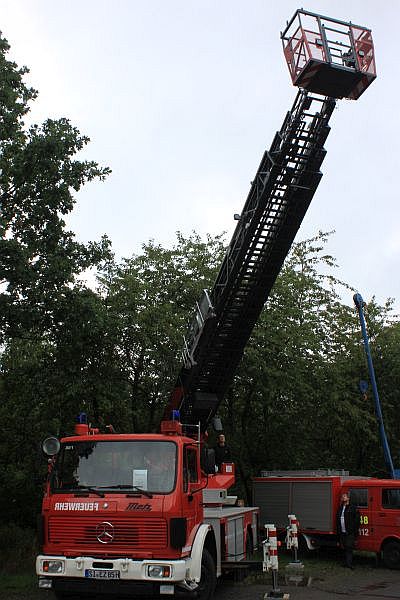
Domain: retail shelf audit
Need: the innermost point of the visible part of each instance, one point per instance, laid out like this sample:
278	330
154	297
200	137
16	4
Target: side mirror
51	446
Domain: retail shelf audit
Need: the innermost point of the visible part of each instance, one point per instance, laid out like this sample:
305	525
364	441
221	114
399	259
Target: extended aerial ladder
328	59
142	512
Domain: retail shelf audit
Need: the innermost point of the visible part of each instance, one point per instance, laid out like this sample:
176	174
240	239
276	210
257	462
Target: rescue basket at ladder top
329	57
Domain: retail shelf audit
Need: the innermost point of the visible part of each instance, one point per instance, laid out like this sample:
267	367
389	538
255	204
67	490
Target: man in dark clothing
222	451
347	524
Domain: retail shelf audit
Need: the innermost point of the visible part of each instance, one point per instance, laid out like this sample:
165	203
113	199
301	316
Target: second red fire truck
314	497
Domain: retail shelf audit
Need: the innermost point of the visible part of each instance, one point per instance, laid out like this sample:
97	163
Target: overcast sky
180	99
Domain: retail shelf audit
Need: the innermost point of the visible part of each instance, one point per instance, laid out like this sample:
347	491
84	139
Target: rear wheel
249	547
304	550
208	578
391	555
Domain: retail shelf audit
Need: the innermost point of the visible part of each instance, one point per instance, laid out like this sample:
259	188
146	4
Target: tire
208	579
391	555
249	547
303	547
64	595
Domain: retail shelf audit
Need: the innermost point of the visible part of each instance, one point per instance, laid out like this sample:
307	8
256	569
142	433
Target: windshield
107	465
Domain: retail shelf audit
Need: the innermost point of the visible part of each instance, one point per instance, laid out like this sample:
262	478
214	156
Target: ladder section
280	194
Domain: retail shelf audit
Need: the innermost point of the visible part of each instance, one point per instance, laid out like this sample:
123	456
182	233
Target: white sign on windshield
140	478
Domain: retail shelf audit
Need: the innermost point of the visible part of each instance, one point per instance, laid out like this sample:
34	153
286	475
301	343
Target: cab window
115	465
390	498
359	497
190	472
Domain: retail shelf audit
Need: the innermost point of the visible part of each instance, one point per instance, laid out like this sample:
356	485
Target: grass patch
17	582
18	549
18	546
20	586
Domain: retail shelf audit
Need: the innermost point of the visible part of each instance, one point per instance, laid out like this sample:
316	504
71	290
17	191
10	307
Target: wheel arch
391	560
391	538
205	538
307	542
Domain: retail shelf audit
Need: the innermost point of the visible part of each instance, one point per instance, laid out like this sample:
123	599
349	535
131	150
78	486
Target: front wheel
249	547
208	579
64	595
391	555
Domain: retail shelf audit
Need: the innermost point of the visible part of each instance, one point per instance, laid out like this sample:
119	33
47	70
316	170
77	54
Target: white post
270	560
270	549
292	540
295	569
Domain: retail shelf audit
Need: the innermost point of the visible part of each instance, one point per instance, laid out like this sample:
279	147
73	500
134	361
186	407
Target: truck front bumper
86	573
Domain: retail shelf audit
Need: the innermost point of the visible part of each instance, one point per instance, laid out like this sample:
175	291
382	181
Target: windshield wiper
128	487
85	488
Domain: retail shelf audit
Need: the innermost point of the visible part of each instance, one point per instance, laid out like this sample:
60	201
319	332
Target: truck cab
139	513
124	507
378	502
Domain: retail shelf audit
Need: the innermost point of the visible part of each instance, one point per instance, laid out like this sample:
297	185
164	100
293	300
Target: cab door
387	514
363	499
191	502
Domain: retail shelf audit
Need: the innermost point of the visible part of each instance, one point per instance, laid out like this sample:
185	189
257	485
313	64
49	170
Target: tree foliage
43	307
296	403
150	298
115	351
39	258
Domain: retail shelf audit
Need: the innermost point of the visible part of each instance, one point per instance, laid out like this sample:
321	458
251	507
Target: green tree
39	258
42	305
115	352
295	402
150	298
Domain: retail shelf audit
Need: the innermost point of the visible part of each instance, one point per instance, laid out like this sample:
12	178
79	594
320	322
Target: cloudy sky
181	97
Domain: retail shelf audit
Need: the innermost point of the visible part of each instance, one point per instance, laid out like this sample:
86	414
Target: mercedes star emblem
105	532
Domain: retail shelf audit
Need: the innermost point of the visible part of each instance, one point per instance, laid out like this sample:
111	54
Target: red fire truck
314	497
148	513
127	512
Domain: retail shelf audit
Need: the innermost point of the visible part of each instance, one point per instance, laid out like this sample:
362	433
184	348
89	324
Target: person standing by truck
347	522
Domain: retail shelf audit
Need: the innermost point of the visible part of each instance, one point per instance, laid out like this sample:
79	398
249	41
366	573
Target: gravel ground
320	580
373	585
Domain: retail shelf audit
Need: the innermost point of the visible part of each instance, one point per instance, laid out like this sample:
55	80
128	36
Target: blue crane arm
394	473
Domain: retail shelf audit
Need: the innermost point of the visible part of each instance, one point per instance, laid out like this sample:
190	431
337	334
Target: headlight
160	571
53	566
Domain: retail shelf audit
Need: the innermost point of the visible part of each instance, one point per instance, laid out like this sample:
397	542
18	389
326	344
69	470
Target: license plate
102	574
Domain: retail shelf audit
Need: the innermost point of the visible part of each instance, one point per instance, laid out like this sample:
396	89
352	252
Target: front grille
138	533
